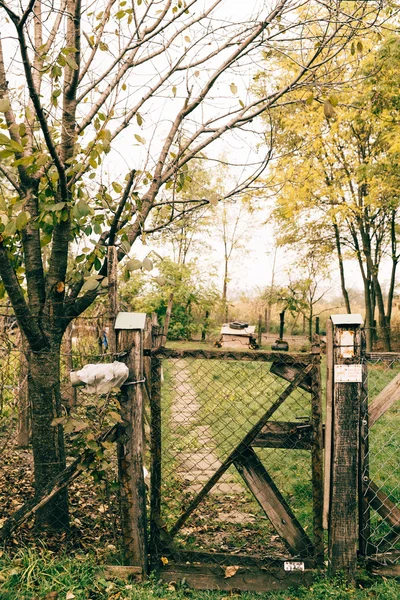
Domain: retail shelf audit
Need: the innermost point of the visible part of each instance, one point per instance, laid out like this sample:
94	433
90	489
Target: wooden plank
281	434
130	455
388	570
385	356
213	577
317	452
244	355
380	502
328	422
247	440
273	503
226	559
343	516
289	372
121	572
384	400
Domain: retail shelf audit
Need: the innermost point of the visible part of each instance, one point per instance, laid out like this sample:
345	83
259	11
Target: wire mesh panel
236	473
93	500
380	516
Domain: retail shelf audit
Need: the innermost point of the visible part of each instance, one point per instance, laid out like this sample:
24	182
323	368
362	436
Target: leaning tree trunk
47	440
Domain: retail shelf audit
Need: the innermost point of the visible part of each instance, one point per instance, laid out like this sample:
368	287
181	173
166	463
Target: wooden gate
197	397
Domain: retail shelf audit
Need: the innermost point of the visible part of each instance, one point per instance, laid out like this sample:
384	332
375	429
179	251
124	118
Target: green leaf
147	264
117	187
133	264
83	208
139	119
310	99
10	229
333	100
233	88
90	284
4	105
140	139
174	91
4	139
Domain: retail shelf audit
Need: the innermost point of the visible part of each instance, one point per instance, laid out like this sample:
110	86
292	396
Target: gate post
131	442
345	434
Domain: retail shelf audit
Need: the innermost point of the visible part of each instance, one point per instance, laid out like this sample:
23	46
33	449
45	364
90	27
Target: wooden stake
130	453
343	517
317	451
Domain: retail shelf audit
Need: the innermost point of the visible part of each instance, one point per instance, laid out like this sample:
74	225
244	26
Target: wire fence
93	496
381	471
237	473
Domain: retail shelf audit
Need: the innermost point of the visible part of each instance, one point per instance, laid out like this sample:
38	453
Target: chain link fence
93	496
237	473
380	515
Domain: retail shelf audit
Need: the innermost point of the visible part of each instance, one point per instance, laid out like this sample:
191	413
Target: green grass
40	575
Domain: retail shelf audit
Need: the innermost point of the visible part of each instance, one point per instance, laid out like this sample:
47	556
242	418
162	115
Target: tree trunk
23	433
341	268
225	291
47	440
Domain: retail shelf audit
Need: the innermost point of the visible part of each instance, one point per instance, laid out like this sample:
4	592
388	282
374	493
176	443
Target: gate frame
199	568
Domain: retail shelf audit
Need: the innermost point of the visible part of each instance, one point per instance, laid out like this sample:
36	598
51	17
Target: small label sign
348	373
293	566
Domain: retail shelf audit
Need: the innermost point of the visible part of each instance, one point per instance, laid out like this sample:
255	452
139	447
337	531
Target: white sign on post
348	373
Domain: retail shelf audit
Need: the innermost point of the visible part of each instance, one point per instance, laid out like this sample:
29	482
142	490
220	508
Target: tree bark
341	268
47	440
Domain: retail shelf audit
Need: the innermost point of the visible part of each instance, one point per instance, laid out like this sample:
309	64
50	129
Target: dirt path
198	465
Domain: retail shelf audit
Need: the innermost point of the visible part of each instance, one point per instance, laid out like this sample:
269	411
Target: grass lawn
41	575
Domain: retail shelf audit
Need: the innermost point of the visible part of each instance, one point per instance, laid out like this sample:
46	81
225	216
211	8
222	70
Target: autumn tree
102	106
338	176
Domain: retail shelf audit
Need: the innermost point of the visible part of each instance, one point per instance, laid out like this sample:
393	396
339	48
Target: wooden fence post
131	443
317	450
344	478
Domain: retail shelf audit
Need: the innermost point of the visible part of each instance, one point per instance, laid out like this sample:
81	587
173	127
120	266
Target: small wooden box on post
129	328
346	371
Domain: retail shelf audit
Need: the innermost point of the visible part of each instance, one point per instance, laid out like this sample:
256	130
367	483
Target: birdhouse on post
344	393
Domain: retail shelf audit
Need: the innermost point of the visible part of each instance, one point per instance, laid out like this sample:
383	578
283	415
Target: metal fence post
131	443
344	496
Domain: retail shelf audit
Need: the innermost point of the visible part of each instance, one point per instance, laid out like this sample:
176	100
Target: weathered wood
388	570
65	478
328	422
210	577
121	572
272	502
130	454
343	521
289	372
155	449
384	400
226	559
385	356
242	355
380	502
317	452
288	435
112	276
247	440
